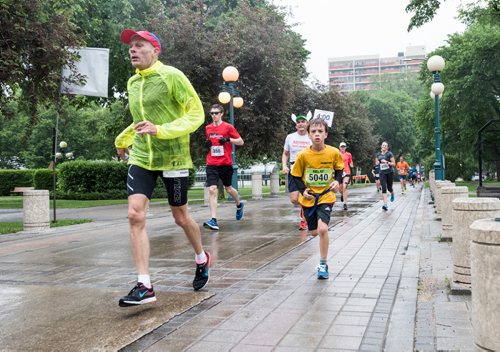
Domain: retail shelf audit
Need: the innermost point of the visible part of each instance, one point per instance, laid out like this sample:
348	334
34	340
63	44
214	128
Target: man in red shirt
346	176
220	139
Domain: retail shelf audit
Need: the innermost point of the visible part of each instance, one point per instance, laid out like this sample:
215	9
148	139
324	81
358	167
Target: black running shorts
323	212
224	172
142	181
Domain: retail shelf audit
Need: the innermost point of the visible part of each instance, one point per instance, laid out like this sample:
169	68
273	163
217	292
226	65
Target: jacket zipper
147	136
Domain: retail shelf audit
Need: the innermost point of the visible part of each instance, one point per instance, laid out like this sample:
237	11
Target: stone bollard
206	196
256	185
465	212
432	183
485	269
437	195
36	210
448	194
275	184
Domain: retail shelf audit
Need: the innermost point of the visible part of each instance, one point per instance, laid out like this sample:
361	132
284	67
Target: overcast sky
334	28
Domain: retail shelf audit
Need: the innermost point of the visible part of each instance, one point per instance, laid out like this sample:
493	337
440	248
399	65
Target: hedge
10	179
42	179
82	176
79	180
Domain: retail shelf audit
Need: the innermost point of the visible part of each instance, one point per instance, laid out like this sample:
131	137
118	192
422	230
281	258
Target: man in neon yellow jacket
165	110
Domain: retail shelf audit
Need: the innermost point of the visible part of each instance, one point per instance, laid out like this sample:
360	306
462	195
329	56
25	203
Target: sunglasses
215	112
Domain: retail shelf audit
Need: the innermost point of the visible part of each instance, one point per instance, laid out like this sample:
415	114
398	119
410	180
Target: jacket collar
149	70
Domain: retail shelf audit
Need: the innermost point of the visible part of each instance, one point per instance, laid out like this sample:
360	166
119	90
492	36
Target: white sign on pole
325	115
94	65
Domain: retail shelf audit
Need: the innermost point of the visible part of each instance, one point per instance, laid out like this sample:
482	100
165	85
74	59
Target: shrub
9	179
82	176
42	179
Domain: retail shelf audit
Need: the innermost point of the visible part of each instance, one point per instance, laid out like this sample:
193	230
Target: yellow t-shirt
316	170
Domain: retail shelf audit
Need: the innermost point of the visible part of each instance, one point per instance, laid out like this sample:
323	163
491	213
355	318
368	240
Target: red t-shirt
347	158
220	154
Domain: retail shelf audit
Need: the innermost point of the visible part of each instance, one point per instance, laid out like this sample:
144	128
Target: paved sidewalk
369	303
263	293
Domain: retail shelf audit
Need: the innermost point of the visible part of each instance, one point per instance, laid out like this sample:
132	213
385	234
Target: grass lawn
16	226
195	195
473	185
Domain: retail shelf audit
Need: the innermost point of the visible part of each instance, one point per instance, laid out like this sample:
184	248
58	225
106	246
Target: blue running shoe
322	271
392	197
385	207
239	211
211	224
140	294
202	273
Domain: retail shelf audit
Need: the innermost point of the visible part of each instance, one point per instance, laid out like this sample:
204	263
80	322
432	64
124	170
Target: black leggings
386	182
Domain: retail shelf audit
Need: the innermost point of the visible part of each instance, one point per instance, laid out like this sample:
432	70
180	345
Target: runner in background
402	167
385	159
294	143
413	176
376	175
220	139
347	173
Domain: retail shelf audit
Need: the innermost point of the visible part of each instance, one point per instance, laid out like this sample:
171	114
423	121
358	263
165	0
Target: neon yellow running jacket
163	95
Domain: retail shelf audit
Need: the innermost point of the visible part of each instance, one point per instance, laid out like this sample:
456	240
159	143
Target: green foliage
423	12
392	112
456	167
10	179
33	49
13	125
91	176
111	194
88	130
470	99
42	179
203	37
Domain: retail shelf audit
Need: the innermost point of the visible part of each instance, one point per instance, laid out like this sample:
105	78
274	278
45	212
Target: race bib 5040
318	177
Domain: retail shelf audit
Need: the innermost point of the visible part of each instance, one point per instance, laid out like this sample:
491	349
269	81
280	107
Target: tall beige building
347	74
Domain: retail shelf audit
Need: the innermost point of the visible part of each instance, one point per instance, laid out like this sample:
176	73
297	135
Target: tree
206	36
89	131
392	114
34	37
425	10
472	90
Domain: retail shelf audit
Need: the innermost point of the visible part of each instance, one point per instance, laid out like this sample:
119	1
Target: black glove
223	140
208	143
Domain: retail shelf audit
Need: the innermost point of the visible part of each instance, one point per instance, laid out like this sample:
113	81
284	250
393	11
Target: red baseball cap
127	35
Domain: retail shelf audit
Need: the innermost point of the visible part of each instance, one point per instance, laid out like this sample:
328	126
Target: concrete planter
36	210
437	195
256	185
485	267
465	212
448	194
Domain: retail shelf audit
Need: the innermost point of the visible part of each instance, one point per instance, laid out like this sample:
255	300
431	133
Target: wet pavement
263	293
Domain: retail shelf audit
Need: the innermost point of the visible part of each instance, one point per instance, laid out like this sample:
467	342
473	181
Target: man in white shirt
294	143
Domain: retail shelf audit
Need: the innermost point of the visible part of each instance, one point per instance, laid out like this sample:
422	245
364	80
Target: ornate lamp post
230	95
58	154
435	64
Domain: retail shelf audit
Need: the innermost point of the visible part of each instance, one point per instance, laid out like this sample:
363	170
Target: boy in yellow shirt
317	172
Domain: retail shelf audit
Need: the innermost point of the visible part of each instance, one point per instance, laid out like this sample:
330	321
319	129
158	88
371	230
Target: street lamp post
230	95
435	64
58	154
